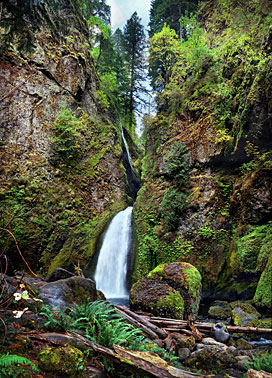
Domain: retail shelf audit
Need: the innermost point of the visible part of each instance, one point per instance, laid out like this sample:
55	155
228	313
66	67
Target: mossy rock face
211	359
184	278
263	295
63	362
219	310
244	314
172	289
158	298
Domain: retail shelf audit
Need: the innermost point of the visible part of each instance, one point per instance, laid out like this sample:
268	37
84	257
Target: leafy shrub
176	165
172	206
68	137
263	362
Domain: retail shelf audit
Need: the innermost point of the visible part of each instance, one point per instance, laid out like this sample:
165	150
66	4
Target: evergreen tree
134	48
169	12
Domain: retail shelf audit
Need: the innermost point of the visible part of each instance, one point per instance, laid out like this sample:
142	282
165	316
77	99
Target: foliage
176	165
97	320
172	206
68	140
164	53
101	324
12	365
169	12
261	362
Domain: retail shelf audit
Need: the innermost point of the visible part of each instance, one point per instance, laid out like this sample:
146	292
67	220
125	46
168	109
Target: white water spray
111	269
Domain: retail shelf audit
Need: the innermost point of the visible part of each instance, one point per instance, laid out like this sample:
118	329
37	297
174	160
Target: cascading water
111	269
113	259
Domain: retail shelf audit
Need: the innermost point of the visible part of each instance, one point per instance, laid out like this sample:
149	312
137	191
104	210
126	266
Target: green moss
263	292
251	252
191	279
63	361
173	302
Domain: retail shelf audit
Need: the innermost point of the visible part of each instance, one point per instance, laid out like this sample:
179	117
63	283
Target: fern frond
9	360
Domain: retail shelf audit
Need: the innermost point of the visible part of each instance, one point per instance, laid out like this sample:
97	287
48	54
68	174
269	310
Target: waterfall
111	269
126	147
132	180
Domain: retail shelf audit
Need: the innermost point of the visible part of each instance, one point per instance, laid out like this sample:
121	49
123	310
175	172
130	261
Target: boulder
171	290
257	374
244	314
158	298
219	310
183	341
59	274
63	293
62	362
220	333
212	359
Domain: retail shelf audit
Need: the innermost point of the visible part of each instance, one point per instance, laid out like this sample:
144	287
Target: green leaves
12	365
176	165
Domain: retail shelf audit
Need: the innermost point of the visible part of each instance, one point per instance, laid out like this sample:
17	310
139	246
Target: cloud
122	10
117	16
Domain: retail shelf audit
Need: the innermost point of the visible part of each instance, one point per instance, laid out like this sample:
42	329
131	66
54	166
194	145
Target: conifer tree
134	49
169	12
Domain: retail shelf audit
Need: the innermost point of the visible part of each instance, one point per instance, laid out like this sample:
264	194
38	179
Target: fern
263	362
9	365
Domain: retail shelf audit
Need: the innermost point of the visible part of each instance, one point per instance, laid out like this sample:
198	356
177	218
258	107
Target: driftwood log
175	325
138	362
158	332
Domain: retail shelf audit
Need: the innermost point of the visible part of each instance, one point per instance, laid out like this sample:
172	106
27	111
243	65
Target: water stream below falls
111	269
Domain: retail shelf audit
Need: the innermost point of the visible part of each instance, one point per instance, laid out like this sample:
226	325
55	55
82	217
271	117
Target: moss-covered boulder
219	310
243	314
158	298
63	362
171	289
63	293
212	359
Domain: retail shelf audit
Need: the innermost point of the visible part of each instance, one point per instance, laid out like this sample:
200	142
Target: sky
122	10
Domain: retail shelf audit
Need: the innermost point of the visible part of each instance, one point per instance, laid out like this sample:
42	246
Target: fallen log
159	332
180	324
140	362
149	332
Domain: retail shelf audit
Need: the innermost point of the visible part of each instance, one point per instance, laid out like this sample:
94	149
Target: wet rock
244	314
211	341
183	341
243	361
184	354
211	358
63	293
220	333
172	289
158	298
257	374
243	344
63	361
219	310
59	274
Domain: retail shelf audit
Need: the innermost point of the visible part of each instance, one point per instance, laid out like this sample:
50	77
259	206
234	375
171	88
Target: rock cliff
61	174
206	194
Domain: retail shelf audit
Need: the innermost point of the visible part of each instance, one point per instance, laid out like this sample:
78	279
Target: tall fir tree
134	53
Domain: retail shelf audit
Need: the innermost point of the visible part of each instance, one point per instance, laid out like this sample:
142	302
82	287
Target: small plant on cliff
176	165
68	136
172	206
